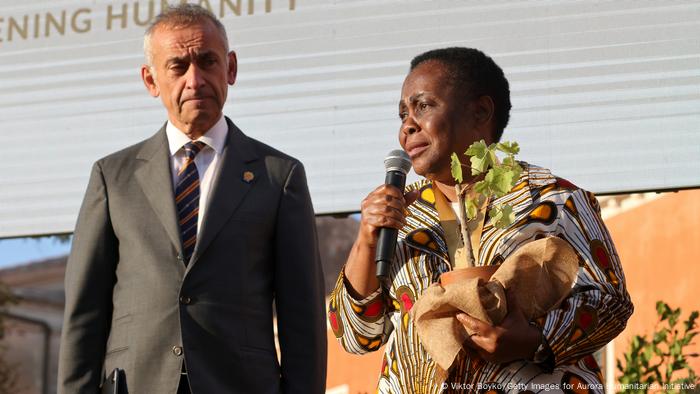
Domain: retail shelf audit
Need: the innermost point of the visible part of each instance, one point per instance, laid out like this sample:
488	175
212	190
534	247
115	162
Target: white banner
607	94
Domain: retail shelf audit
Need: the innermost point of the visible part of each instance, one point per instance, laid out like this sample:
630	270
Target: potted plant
490	177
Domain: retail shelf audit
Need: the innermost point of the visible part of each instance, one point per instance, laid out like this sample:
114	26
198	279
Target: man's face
191	71
436	121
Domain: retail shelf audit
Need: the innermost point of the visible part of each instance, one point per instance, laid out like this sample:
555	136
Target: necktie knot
192	148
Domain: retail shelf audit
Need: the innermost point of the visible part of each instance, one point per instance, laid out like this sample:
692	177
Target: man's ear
149	80
232	68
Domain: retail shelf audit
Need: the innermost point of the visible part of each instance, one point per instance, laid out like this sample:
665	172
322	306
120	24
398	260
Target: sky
18	251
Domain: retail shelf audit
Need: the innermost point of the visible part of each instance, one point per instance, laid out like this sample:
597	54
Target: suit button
185	300
177	350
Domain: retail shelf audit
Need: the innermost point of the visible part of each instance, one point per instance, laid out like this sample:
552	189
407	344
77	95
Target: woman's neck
449	191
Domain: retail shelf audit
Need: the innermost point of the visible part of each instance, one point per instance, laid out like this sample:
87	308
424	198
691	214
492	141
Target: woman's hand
385	206
514	339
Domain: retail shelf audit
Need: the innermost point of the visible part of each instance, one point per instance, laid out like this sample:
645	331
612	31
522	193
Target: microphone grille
397	160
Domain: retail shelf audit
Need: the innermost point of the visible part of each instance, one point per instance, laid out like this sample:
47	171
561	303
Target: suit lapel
155	178
229	187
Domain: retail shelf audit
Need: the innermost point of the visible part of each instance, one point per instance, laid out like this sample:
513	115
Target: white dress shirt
207	160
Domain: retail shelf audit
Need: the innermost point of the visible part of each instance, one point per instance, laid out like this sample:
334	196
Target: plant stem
466	235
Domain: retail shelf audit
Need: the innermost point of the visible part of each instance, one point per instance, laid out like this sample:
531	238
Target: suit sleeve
599	305
299	290
90	278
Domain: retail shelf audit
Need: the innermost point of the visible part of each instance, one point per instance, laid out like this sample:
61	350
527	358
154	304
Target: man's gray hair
180	15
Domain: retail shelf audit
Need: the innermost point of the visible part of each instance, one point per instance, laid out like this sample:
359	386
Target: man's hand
515	338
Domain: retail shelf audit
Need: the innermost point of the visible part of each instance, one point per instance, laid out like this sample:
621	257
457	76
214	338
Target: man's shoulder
146	147
254	148
270	153
278	165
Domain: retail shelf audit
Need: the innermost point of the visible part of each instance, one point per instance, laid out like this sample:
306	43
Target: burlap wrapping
540	274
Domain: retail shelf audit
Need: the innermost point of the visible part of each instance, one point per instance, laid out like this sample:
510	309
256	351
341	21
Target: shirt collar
214	137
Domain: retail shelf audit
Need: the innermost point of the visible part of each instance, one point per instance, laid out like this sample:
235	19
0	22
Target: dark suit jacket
131	302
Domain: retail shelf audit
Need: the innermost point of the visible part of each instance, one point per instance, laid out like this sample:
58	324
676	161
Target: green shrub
659	363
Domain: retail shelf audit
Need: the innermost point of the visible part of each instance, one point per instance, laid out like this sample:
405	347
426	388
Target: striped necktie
187	199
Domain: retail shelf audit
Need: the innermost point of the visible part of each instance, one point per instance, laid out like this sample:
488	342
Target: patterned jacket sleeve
599	305
359	325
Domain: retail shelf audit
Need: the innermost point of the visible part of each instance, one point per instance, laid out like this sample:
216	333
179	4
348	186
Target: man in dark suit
184	241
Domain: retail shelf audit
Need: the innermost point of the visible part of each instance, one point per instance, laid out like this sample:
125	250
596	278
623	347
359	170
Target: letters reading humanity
119	15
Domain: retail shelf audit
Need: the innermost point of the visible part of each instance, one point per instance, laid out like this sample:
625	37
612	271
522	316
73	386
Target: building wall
659	246
359	373
24	350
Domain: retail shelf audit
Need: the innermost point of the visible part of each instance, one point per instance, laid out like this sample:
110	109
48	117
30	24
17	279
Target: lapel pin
248	176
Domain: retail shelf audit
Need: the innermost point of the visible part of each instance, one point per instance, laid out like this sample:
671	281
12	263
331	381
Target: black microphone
397	164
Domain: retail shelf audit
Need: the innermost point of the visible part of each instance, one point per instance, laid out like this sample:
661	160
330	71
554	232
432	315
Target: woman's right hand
385	206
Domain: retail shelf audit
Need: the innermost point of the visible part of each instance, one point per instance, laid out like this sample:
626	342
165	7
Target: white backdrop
607	93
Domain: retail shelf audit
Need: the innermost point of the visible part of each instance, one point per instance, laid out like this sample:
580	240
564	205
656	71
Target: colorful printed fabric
596	311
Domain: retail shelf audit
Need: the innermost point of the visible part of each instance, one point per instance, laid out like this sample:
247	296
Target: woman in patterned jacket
451	98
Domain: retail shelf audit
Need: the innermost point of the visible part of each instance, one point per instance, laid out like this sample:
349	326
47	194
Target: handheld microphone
397	164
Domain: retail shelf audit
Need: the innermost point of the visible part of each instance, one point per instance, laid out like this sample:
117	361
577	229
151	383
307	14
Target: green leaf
481	157
663	310
690	323
456	168
680	365
471	208
646	356
675	349
477	148
660	336
500	180
509	161
673	318
517	170
688	337
660	307
635	342
482	187
508	147
495	214
691	334
502	216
